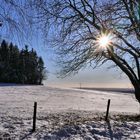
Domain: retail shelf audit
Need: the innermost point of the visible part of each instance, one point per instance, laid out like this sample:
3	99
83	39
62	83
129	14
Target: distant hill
121	90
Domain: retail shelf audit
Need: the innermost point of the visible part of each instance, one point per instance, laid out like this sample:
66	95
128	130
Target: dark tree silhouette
23	66
41	70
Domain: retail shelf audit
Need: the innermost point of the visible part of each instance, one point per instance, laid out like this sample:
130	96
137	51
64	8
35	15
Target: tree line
20	66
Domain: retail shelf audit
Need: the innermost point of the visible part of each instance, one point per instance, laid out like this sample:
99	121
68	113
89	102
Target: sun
104	41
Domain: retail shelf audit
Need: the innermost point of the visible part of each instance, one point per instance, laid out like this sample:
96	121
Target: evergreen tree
14	63
4	53
32	75
41	70
22	76
20	66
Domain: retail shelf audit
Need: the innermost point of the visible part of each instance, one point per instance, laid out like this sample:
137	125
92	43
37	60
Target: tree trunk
137	92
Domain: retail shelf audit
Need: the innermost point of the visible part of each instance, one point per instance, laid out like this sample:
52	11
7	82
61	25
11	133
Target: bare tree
94	32
15	18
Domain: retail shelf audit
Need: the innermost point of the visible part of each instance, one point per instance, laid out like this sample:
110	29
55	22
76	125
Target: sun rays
104	41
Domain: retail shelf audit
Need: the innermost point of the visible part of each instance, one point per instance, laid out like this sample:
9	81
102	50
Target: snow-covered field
71	114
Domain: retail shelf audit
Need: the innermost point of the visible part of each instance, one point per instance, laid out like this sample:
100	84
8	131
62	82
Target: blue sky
88	77
100	77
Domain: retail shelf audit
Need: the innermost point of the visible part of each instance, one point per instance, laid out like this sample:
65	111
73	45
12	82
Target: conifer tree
4	61
23	66
41	70
14	63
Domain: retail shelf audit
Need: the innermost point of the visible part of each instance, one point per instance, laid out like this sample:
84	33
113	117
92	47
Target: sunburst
104	41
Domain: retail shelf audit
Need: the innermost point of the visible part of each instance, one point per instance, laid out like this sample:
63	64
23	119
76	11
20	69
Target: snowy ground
70	114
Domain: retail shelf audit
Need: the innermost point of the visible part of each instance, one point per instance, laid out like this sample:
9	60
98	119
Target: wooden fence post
34	116
107	111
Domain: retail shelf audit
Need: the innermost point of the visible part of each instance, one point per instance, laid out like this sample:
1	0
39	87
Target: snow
65	114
